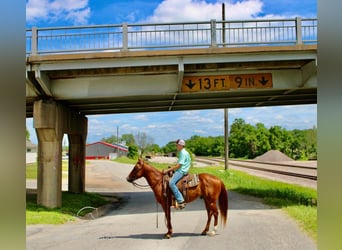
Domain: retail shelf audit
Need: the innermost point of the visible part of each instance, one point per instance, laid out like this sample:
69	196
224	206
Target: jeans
175	178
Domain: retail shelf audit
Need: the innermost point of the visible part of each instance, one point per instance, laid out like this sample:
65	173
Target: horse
210	188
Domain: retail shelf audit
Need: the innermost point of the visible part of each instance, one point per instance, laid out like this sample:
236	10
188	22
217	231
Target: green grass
297	201
32	170
72	203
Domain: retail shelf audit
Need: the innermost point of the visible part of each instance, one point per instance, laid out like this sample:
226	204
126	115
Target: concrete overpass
157	67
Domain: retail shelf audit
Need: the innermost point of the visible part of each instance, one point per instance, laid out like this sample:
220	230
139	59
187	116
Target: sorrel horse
210	188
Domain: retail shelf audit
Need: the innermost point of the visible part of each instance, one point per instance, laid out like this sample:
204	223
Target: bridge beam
43	81
51	121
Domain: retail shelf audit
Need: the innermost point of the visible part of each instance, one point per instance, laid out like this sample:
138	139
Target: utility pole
226	140
117	140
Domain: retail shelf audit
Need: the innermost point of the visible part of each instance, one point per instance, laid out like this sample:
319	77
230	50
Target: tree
111	139
311	143
242	140
206	146
143	141
153	149
304	144
262	136
247	141
284	141
170	147
128	138
27	135
133	152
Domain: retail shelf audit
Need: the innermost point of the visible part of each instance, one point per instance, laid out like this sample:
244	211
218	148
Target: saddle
184	184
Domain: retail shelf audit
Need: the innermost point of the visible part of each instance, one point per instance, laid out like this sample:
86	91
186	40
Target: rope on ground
91	214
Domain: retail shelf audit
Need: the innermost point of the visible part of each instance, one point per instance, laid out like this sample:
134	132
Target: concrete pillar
51	121
48	122
77	143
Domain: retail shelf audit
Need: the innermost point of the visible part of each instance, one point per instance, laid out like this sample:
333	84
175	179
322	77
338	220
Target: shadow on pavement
149	236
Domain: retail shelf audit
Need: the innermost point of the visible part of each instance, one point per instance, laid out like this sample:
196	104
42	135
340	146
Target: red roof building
105	150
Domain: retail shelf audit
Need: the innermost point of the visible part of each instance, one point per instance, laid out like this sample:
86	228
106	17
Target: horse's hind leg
215	213
211	211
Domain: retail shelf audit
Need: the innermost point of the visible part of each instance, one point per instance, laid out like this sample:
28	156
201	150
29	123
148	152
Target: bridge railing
128	37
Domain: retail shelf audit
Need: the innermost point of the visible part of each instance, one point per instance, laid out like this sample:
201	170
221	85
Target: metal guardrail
128	37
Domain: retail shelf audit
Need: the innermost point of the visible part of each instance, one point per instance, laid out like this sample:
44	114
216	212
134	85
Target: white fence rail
127	37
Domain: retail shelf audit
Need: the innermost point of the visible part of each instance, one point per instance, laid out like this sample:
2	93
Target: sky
164	127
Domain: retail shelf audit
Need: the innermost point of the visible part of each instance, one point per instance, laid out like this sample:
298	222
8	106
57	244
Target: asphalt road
138	225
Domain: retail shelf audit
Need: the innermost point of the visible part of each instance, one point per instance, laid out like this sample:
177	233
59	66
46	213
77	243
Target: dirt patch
273	155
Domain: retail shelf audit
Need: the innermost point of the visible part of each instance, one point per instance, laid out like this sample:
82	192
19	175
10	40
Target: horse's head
137	171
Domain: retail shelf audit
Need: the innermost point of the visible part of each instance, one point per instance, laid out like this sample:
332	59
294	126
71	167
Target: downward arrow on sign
190	84
263	81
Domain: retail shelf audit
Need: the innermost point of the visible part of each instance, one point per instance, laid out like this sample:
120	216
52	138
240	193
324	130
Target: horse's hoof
212	233
167	236
204	233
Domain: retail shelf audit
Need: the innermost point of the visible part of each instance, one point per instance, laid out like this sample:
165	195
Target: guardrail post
213	32
124	37
34	41
299	30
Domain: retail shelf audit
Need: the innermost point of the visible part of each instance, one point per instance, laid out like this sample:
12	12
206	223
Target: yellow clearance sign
227	82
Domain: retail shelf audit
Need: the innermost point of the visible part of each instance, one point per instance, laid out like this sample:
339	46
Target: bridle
134	177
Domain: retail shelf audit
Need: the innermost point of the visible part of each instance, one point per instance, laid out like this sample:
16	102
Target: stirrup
180	205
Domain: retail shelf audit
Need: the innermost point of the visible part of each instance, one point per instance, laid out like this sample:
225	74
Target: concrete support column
77	150
48	122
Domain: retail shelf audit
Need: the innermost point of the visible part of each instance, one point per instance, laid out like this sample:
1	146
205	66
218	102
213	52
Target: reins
147	186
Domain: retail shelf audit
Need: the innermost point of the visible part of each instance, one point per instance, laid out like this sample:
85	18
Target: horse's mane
149	166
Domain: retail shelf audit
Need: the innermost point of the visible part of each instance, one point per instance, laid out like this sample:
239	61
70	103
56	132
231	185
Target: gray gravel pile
274	156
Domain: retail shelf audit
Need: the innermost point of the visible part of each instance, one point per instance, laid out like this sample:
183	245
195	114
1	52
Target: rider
180	169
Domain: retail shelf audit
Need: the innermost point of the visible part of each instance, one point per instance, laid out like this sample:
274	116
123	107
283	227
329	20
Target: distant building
30	147
104	150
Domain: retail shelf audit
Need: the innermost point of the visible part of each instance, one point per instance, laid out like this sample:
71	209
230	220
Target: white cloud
195	117
194	10
199	131
141	117
75	11
152	126
279	117
235	111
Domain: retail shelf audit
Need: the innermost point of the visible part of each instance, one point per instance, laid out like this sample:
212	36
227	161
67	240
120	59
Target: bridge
72	72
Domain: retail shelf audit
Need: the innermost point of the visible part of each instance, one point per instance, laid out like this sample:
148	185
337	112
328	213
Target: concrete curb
103	210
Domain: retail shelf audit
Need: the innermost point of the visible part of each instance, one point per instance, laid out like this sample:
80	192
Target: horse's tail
223	203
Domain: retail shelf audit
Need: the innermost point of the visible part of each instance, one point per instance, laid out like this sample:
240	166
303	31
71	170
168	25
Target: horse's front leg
206	229
167	211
